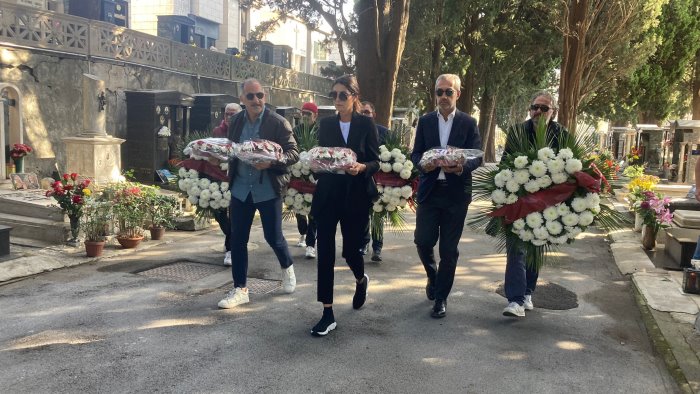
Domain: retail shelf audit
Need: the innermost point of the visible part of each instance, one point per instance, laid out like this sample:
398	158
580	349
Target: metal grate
262	286
183	271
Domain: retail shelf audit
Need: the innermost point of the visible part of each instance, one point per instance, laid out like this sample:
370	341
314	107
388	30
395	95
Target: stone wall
50	86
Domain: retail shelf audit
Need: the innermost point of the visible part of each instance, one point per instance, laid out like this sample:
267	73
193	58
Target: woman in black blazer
345	198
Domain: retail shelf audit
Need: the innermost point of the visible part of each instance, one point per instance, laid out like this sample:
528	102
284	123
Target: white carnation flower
512	186
397	167
405	173
541	232
559	240
573	165
566	154
512	198
308	197
559	177
538	168
385	197
377	207
395	201
574	232
216	195
498	196
570	219
520	162
506	175
396	191
224	186
205	195
402	202
539	242
193	199
555	166
305	171
391	208
227	195
193	174
396	152
519	224
224	166
526	235
380	188
182	172
385	167
296	173
194	191
204	183
204	203
554	227
595	209
498	181
298	198
579	204
181	185
214	187
534	220
562	209
592	200
296	166
382	148
585	218
521	176
532	186
550	213
292	192
298	205
406	191
289	201
407	165
544	181
545	154
385	156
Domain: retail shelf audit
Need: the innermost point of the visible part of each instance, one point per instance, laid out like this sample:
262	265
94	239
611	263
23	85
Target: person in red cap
307	225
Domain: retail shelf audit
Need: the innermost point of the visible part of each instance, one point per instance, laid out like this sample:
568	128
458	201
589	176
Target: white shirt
345	129
445	126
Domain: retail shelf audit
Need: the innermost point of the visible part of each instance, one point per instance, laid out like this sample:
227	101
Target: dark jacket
273	128
341	191
381	133
464	134
555	132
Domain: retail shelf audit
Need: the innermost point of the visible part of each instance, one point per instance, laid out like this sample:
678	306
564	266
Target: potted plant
129	210
95	222
655	215
71	194
17	154
161	211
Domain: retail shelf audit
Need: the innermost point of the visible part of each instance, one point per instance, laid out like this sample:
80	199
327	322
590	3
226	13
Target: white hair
452	78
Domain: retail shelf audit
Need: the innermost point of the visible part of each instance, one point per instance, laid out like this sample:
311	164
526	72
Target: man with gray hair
521	280
444	192
258	187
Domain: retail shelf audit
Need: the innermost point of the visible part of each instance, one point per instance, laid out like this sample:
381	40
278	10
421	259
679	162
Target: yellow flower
87	192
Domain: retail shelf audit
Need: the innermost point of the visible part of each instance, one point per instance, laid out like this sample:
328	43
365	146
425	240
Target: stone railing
29	27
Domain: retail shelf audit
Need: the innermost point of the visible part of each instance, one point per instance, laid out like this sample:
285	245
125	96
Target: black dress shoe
377	257
440	309
430	291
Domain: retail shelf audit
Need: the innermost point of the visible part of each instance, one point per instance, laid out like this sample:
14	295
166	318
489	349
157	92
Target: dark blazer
340	191
275	128
464	134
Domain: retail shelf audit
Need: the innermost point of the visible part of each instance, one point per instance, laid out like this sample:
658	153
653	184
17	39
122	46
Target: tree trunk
573	63
696	88
381	38
435	57
487	111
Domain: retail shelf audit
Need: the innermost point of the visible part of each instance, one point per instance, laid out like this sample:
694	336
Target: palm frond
306	136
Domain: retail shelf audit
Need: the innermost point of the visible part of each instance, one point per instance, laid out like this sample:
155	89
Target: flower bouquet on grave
397	182
541	198
203	176
330	159
258	151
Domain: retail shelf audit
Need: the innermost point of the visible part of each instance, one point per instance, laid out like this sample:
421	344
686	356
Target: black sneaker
376	257
324	326
360	293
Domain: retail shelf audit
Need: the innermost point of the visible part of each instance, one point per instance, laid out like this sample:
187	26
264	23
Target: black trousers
221	216
307	227
352	227
440	217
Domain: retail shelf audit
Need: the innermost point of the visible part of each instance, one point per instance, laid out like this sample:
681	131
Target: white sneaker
302	241
227	259
514	309
310	252
289	280
233	298
527	304
695	263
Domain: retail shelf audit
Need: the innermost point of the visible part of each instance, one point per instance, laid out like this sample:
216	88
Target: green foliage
306	136
129	206
95	220
161	210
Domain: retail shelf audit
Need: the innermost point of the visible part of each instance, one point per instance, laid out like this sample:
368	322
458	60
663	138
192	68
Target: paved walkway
102	326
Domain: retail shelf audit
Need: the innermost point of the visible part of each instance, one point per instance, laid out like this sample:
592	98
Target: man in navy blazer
444	193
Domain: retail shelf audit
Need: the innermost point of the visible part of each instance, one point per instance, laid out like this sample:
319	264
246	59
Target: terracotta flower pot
129	243
157	233
94	248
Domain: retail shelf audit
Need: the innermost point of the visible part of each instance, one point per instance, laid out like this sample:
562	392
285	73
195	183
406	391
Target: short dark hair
350	83
370	105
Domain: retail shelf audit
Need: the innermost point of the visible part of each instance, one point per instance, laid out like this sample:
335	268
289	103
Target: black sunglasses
343	96
259	95
542	108
447	92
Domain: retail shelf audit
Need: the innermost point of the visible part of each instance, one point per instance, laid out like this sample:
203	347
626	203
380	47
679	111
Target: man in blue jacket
444	193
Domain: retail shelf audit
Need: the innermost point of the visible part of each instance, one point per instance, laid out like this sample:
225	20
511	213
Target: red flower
68	187
77	199
66	177
74	176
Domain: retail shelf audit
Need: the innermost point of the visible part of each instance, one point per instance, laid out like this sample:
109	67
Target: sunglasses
251	96
343	96
447	92
542	108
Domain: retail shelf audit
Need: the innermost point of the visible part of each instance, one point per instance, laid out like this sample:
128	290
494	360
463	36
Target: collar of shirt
258	119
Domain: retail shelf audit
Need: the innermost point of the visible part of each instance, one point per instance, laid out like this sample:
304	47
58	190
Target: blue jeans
242	214
377	238
520	280
221	216
696	255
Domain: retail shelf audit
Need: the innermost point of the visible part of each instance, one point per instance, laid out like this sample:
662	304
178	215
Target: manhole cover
183	271
263	286
549	296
